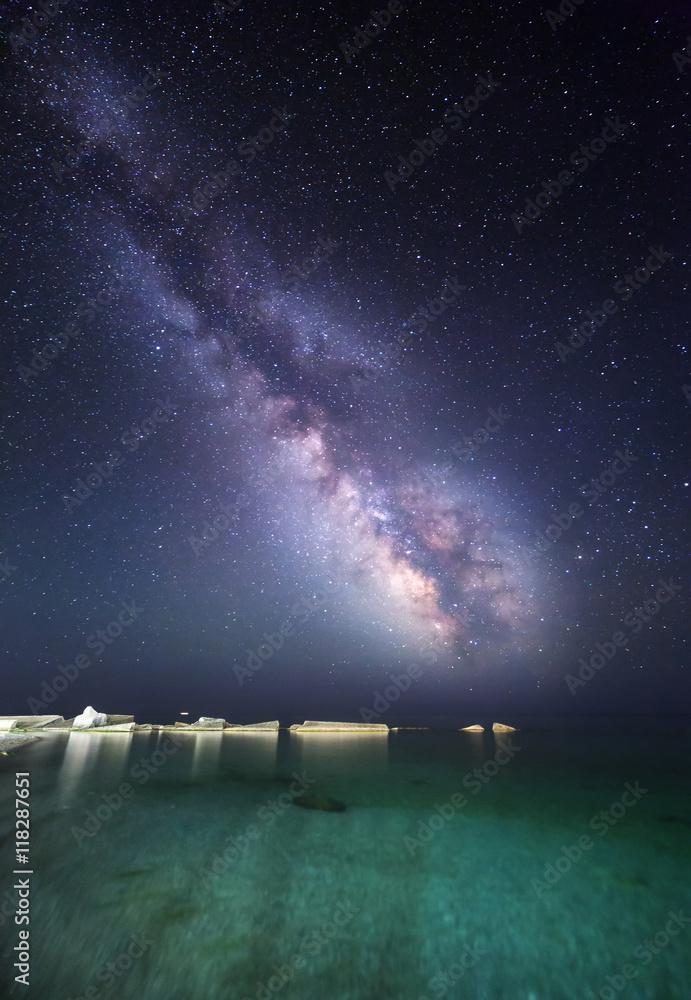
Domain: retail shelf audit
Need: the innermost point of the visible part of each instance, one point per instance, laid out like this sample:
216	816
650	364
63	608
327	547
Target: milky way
267	276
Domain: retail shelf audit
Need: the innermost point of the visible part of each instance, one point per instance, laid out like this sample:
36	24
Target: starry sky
300	383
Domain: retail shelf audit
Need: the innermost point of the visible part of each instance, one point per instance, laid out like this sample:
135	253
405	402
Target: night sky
312	308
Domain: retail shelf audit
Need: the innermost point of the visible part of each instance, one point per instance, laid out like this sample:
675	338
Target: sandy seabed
391	898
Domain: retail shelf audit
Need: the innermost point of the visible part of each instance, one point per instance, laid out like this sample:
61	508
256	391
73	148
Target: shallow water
391	898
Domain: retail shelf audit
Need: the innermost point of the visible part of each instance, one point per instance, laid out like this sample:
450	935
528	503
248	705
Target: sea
549	863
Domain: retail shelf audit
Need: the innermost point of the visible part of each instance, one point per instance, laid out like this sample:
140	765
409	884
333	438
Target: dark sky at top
251	239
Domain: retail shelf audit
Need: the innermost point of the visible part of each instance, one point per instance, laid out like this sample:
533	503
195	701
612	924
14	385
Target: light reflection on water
139	871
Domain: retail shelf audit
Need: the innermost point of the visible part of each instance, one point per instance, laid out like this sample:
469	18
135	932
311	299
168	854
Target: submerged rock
674	819
499	727
323	802
473	729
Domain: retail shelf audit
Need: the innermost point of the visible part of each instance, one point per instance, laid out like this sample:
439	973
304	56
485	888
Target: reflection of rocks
340	727
323	802
257	727
10	742
472	729
90	718
499	727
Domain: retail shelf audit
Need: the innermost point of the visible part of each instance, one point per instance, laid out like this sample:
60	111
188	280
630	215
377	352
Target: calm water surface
430	864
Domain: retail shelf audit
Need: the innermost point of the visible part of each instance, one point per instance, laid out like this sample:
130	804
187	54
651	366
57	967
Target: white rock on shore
90	718
472	729
499	727
340	727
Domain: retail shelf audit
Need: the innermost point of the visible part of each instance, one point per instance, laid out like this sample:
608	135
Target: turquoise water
431	882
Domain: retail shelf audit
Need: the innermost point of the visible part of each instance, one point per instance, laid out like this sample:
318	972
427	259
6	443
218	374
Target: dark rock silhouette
323	802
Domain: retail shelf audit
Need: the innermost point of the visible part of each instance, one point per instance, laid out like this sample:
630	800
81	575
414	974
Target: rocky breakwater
10	741
340	727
